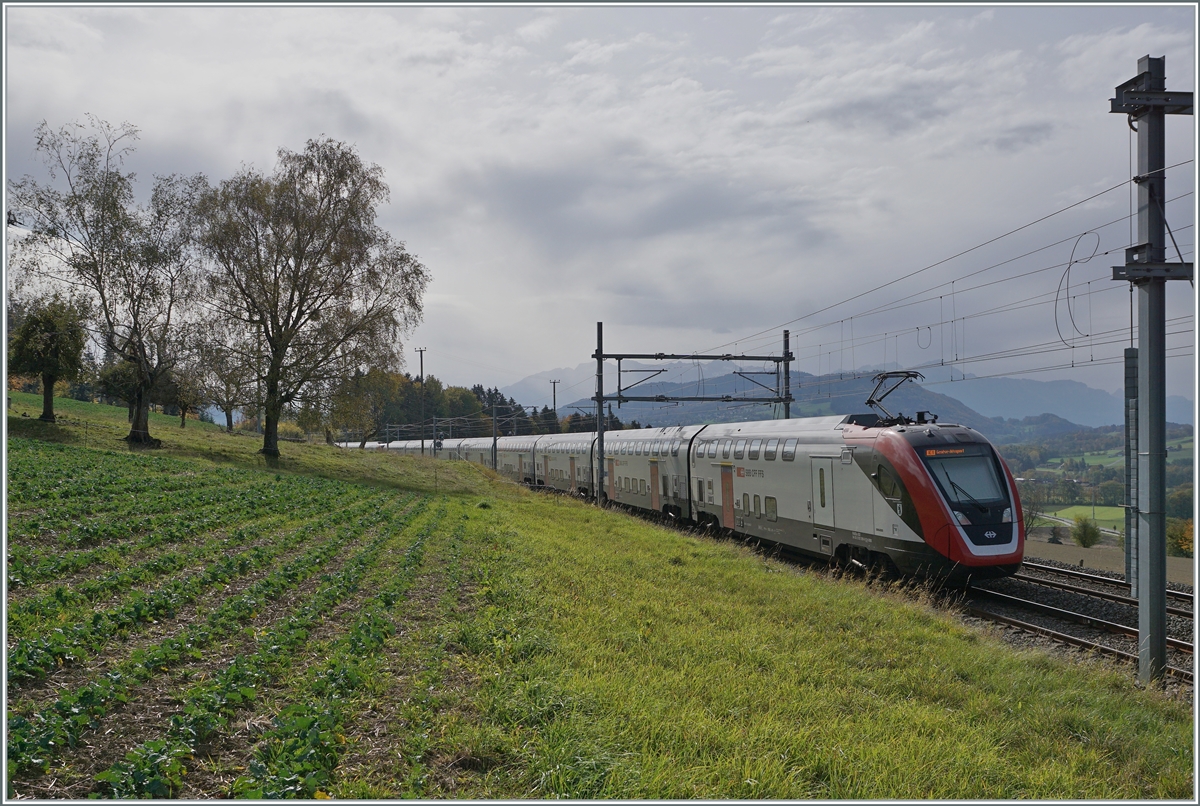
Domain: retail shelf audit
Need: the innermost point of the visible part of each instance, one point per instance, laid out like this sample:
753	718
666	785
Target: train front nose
973	485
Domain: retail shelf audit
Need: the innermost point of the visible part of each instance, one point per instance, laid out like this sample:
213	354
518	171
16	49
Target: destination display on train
945	451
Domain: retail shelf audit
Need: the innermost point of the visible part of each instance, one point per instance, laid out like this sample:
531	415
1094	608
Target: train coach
918	497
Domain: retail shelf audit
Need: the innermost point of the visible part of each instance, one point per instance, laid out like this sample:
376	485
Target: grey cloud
1017	138
571	208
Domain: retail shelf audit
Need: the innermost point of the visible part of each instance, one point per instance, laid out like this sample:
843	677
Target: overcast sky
697	178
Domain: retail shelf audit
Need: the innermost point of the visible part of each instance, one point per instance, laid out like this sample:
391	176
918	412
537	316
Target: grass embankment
496	643
98	426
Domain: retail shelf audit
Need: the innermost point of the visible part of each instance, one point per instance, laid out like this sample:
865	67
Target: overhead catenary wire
959	254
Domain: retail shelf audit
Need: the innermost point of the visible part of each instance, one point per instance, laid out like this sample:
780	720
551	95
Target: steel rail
1120	583
1112	597
1182	674
1078	618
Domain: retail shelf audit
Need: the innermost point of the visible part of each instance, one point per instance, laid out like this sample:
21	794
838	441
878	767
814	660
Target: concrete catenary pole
421	380
598	482
1152	381
1131	465
1145	100
787	376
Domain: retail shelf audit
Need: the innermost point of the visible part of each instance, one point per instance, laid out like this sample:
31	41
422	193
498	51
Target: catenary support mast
1145	100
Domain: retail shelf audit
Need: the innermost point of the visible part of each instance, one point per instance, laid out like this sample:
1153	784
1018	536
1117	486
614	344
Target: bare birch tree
298	258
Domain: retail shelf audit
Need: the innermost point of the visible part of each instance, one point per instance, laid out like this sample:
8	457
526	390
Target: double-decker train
918	497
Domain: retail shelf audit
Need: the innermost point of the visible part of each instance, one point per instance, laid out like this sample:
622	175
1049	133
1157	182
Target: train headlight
962	518
1007	516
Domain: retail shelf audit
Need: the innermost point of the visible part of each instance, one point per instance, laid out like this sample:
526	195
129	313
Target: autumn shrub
1085	532
1179	537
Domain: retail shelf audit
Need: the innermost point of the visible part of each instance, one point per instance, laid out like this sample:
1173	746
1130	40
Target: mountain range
1006	410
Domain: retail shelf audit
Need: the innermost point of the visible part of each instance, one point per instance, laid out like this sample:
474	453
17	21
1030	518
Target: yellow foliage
1186	538
1179	537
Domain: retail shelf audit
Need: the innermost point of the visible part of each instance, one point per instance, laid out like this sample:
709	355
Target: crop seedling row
296	757
33	741
58	605
28	567
209	706
30	658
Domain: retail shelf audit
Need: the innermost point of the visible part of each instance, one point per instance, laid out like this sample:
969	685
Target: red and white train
921	497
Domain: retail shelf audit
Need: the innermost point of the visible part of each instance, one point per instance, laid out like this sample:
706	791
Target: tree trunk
48	398
272	410
329	437
229	420
139	426
183	416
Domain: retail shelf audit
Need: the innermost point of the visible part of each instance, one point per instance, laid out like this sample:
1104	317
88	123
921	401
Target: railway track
1120	598
1178	596
1083	610
1185	675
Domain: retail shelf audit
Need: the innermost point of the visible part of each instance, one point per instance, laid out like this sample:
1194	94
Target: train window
654	448
746	503
739	449
769	451
666	487
757	510
887	484
642	486
725	446
700	490
789	450
712	449
822	477
710	490
675	448
771	508
754	445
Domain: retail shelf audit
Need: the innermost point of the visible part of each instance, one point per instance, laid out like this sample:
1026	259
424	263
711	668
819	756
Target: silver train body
924	498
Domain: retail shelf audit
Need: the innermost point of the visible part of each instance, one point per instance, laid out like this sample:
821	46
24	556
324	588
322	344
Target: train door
574	479
546	475
612	492
727	496
822	492
655	503
520	467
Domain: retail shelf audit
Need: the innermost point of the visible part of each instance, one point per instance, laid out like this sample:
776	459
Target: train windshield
967	475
